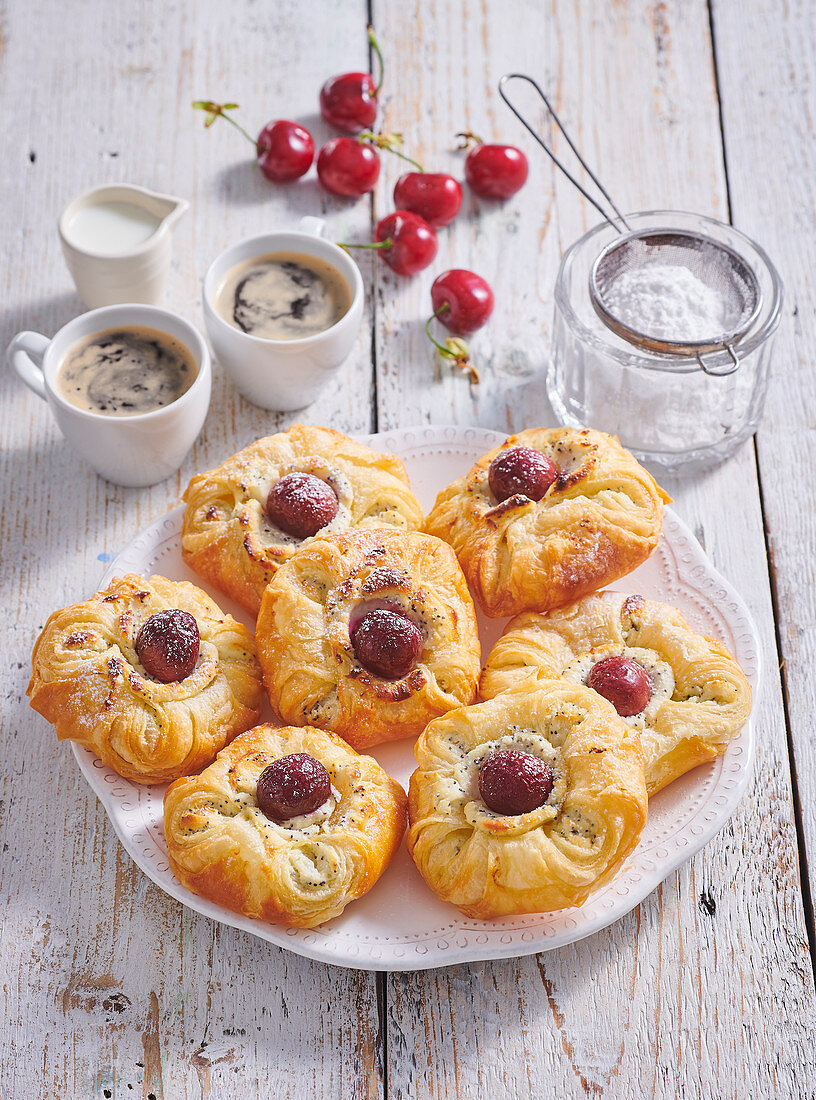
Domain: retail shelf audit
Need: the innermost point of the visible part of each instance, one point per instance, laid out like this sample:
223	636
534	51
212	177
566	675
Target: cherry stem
387	243
468	138
216	110
454	349
378	52
444	308
388	142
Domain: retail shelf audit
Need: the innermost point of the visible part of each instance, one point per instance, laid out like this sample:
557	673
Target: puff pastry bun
491	865
87	680
700	697
299	873
312	673
229	540
598	520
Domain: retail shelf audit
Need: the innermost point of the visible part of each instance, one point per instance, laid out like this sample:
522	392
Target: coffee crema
125	371
283	296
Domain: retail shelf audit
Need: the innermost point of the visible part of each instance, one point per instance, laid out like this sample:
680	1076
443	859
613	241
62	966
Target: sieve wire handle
729	369
522	76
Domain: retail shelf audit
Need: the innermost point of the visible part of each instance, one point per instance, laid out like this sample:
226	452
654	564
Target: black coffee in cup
283	296
125	371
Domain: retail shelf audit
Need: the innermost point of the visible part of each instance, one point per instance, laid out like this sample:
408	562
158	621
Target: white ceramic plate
401	924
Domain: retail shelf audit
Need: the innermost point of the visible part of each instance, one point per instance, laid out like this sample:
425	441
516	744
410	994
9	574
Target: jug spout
169	208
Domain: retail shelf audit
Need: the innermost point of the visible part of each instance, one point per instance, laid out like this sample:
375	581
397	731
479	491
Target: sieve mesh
715	265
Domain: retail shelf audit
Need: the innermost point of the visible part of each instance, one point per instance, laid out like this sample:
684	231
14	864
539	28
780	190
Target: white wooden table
112	989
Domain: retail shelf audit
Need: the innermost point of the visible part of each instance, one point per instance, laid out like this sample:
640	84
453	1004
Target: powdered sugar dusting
667	302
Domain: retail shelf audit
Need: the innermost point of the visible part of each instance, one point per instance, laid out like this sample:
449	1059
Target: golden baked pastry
228	536
551	515
564	777
294	870
696	697
415	651
89	680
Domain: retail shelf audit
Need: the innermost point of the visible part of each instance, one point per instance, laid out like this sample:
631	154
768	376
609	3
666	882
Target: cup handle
315	227
25	355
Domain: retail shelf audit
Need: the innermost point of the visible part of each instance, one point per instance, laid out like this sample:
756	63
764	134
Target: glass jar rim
673	365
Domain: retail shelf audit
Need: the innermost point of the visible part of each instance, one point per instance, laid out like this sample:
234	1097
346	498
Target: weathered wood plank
773	199
110	988
671	1000
107	982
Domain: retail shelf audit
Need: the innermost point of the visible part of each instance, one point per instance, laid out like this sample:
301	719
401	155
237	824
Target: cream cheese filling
660	674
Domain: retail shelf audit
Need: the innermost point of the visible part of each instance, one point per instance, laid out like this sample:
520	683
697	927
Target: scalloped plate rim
400	440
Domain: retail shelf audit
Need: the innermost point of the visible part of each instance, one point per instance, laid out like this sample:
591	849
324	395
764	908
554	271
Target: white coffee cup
127	450
283	374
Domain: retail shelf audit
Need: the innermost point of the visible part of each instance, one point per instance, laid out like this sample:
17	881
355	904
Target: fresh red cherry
387	643
494	171
521	470
285	151
301	504
167	645
345	166
292	786
513	782
404	241
435	196
462	300
623	682
349	101
409	243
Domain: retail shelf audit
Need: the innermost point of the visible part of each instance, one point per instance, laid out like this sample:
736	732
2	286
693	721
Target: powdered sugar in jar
663	408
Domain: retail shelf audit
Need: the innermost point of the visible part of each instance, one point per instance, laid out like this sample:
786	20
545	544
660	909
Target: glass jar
666	410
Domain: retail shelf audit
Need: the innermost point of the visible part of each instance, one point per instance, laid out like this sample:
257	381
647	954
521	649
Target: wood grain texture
666	1002
111	988
773	199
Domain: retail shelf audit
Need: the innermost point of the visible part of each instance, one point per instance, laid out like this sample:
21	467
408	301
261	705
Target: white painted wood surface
775	198
109	987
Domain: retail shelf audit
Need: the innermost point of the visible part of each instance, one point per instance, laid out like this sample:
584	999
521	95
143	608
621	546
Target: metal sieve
715	265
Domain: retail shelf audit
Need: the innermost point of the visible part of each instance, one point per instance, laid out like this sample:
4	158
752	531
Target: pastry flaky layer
700	699
228	539
300	873
310	669
599	520
87	680
493	865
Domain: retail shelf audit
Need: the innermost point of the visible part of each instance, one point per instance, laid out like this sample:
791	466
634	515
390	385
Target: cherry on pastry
387	643
347	166
404	241
285	149
167	645
623	682
435	196
301	504
349	101
493	171
521	471
513	782
292	786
